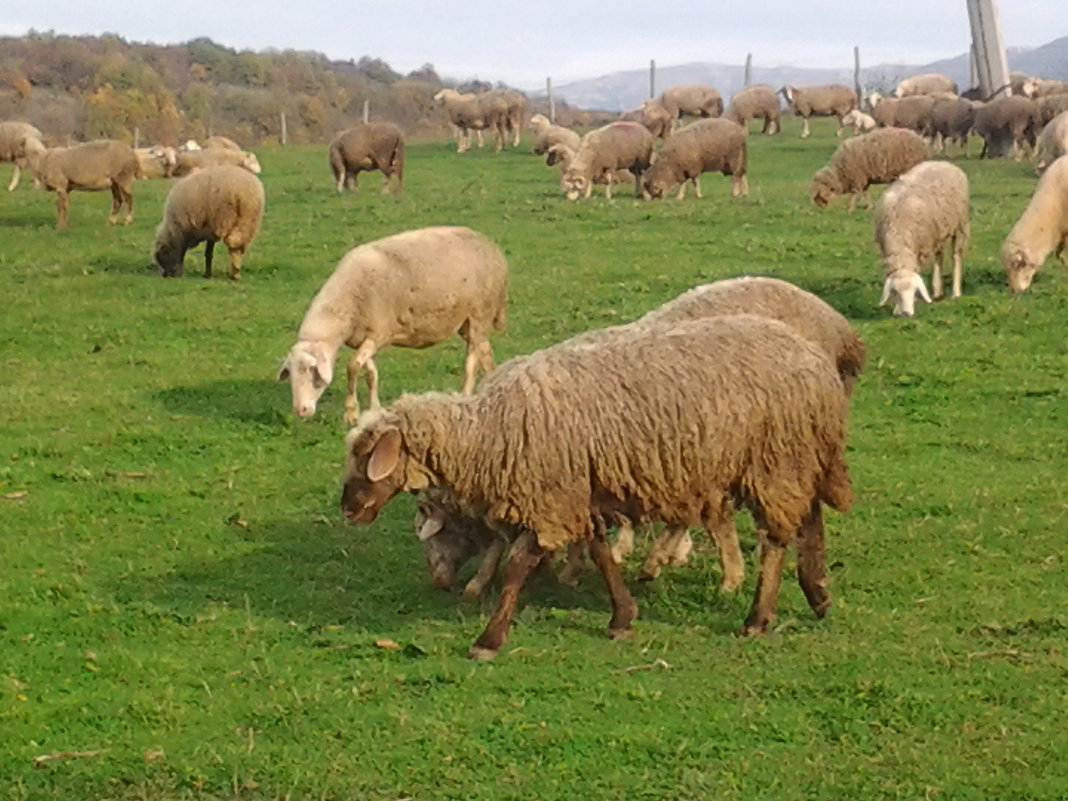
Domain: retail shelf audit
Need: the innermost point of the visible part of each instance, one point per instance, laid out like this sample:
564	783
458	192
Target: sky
522	44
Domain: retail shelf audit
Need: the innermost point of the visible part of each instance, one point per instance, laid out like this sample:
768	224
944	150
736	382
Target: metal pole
652	77
749	69
552	102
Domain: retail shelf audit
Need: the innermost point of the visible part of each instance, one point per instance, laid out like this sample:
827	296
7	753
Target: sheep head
375	466
309	370
1019	268
251	163
575	185
903	285
169	254
824	188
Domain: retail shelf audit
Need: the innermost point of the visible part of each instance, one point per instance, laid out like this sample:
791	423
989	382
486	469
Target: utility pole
552	102
652	77
748	81
991	66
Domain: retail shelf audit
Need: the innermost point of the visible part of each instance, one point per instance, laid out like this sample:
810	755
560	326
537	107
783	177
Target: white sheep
1042	228
469	112
712	145
216	204
1052	142
920	218
653	116
742	408
755	101
546	135
15	138
859	121
927	84
188	161
831	100
413	290
616	146
221	142
696	100
93	166
561	155
157	161
872	158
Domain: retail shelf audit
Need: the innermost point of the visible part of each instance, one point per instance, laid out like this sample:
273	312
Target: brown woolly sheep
561	155
913	112
157	161
653	116
713	145
365	147
15	138
696	100
557	443
1052	142
873	158
751	102
1049	107
478	113
546	134
414	289
93	166
1008	125
921	217
831	100
221	142
1041	229
616	146
951	121
189	161
211	205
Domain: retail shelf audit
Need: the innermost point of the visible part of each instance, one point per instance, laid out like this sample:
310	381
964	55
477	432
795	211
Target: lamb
157	161
1052	142
1041	229
1007	125
951	121
831	100
546	135
554	445
696	100
365	147
211	205
93	166
413	289
859	121
873	158
616	146
191	160
927	84
221	142
15	138
702	146
921	215
653	116
469	112
751	102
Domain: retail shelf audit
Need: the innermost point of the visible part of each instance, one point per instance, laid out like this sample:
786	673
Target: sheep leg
662	552
116	203
486	570
805	132
624	543
958	266
681	194
14	179
479	354
363	356
720	527
127	195
608	187
524	555
62	208
697	186
209	256
576	564
739	186
766	596
811	574
937	287
235	265
624	610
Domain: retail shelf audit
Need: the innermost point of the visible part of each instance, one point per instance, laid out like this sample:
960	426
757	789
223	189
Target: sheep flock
742	400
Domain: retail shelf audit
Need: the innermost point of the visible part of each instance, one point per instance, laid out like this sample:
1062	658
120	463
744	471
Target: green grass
178	589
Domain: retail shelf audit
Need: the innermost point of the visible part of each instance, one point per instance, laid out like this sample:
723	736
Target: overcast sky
523	43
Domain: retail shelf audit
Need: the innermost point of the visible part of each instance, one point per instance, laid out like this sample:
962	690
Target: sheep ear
283	371
385	457
323	370
435	522
917	282
887	286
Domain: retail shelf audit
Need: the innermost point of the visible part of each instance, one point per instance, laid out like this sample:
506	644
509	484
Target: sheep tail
836	488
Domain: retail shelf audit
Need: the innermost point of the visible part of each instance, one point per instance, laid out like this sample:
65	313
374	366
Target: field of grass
183	605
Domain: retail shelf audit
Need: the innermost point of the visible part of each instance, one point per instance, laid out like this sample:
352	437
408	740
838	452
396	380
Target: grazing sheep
449	538
653	116
616	146
1041	229
561	155
914	113
413	289
920	217
745	409
211	205
365	147
927	84
546	134
751	102
831	100
93	166
1049	107
703	146
191	160
951	121
872	158
696	100
157	161
859	121
468	112
221	142
15	137
1008	125
1052	142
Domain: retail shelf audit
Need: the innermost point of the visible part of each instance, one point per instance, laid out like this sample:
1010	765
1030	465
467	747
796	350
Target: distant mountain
624	90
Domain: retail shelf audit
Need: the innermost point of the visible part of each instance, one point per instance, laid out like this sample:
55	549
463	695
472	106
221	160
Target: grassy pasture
181	601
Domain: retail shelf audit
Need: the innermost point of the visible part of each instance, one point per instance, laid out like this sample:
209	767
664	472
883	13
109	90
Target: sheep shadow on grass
258	401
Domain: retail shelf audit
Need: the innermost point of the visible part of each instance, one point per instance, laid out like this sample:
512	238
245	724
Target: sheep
15	137
1052	142
546	134
1040	87
221	142
449	538
831	100
616	146
191	160
872	158
1050	106
561	155
951	121
927	84
413	289
157	161
759	100
859	121
920	217
366	147
469	112
97	165
210	205
1041	229
731	407
653	116
696	100
883	110
914	113
1007	125
702	146
515	109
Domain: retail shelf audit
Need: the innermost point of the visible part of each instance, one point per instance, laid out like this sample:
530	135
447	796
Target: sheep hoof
473	591
351	416
730	584
754	629
620	634
482	654
648	574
